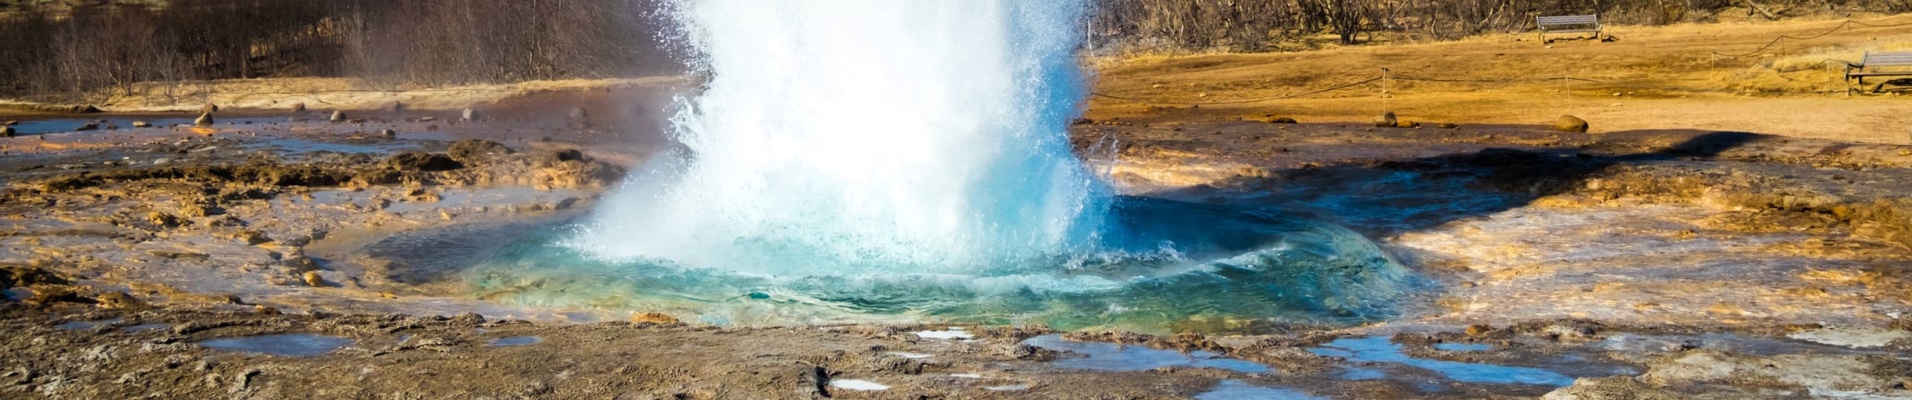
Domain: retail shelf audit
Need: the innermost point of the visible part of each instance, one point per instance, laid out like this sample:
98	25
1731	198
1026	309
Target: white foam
858	384
967	376
944	335
910	355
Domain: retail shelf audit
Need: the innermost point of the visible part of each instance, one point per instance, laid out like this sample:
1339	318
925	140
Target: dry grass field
1686	76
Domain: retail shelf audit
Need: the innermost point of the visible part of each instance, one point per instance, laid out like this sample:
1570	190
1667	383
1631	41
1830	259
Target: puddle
1362	374
952	333
1238	390
285	345
44	126
1462	347
146	327
85	325
857	384
1378	349
1115	357
516	341
303	146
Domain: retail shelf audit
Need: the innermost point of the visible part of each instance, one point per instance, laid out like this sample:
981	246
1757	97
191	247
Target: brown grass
1651	78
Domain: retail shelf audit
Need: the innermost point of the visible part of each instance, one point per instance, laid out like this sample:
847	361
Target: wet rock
1388	120
6	131
300	263
422	161
90	126
51	294
203	120
338	116
120	301
654	318
29	276
478	150
1569	123
468	115
9	123
467	319
142	124
388	134
313	279
1281	120
1082	121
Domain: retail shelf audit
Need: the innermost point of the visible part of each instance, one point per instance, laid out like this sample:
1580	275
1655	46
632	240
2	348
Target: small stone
1388	120
298	107
313	279
579	113
388	133
469	115
1569	123
90	126
1281	120
1477	330
203	120
338	116
142	124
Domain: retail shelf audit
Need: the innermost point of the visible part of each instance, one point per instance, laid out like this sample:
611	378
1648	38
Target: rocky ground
169	261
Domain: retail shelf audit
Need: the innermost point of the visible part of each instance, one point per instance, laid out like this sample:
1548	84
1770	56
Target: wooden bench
1869	66
1561	24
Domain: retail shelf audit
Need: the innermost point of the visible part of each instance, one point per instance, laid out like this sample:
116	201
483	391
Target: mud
168	262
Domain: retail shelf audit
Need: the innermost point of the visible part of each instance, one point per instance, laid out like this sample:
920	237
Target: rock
204	119
469	115
90	126
1281	120
388	133
163	220
1569	123
1082	121
300	263
654	318
142	124
1448	125
467	319
119	300
9	123
1387	120
422	161
338	116
313	279
209	108
579	113
476	150
298	107
1407	124
6	131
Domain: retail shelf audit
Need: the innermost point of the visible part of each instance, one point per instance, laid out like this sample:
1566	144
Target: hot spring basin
1159	266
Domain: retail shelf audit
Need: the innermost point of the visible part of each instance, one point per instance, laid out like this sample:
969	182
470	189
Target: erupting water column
854	136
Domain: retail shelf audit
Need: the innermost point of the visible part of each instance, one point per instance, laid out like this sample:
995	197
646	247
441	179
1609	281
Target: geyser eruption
856	135
872	160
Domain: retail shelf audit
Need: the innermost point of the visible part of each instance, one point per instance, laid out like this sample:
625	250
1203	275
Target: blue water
1379	350
516	341
1237	390
1462	347
1115	357
85	325
283	345
1178	266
